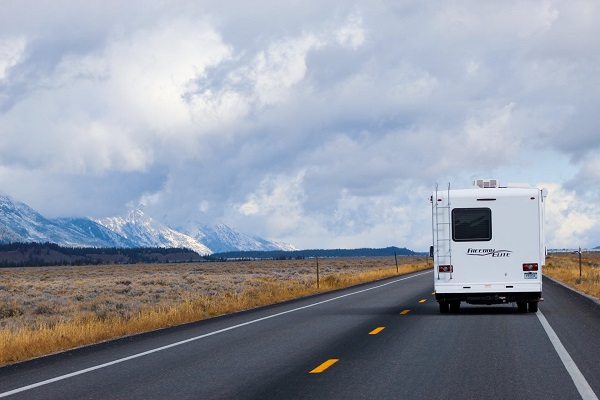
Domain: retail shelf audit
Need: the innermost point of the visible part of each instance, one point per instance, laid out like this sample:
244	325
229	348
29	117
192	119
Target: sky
324	124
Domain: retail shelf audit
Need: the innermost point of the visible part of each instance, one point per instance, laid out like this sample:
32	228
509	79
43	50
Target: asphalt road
384	340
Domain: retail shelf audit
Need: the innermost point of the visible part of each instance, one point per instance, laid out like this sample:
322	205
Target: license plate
531	275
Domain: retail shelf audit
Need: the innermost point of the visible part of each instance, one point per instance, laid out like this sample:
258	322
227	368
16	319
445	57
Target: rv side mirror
431	251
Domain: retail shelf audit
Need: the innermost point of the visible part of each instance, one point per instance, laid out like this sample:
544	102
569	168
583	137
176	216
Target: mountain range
21	223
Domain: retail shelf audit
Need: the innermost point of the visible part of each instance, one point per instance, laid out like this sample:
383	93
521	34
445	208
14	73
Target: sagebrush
48	309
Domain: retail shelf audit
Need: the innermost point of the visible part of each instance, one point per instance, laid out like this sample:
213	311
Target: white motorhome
488	245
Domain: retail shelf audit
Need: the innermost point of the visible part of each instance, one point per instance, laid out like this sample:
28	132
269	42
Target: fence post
580	261
396	258
317	272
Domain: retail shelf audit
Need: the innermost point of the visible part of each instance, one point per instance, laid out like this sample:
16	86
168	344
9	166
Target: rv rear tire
533	306
521	306
444	307
454	306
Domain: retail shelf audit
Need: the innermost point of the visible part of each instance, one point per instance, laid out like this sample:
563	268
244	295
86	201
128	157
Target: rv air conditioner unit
487	183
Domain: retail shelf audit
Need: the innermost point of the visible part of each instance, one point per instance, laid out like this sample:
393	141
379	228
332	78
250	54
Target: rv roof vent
487	183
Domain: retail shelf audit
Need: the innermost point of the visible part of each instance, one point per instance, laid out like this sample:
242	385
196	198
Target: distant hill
364	252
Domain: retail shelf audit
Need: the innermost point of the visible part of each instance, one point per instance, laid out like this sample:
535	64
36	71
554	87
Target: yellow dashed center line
324	366
376	330
422	301
405	312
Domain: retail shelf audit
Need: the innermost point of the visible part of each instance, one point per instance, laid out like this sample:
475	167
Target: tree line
33	254
299	254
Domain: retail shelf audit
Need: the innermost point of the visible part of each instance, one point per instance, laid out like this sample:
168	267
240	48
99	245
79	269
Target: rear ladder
442	230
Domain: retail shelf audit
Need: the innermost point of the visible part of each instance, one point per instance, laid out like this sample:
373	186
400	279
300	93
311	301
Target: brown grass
565	268
48	309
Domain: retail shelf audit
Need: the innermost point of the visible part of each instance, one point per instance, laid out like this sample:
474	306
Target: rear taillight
445	268
530	267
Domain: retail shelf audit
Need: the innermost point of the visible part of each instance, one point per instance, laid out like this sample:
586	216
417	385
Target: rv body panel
488	245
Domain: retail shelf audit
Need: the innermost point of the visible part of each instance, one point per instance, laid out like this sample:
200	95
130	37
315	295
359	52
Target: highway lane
482	352
576	320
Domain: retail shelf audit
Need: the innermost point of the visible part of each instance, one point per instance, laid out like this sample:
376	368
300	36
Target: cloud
323	125
485	140
351	34
137	84
350	221
572	220
277	202
11	52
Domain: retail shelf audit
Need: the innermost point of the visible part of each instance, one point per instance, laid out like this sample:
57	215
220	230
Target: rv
488	245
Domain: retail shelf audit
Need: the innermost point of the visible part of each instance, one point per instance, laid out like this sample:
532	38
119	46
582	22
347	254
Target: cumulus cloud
351	34
277	202
113	109
326	125
11	52
572	220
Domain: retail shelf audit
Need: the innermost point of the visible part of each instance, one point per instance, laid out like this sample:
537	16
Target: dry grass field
565	268
49	309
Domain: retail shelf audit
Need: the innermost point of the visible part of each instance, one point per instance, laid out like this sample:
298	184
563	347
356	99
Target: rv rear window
471	224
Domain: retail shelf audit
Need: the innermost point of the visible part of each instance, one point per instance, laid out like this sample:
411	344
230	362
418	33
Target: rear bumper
499	287
490	298
497	293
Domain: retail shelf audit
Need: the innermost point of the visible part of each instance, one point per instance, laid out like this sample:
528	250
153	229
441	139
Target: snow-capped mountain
20	223
147	232
221	238
97	235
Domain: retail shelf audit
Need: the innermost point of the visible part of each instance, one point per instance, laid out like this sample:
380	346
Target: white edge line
145	353
588	296
585	390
